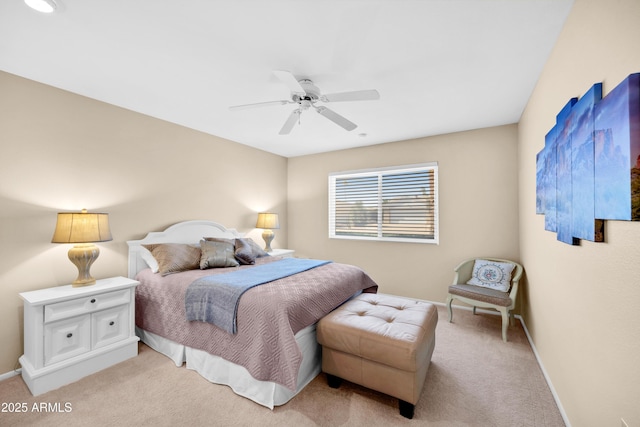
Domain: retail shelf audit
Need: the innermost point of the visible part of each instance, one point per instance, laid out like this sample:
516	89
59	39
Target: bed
273	354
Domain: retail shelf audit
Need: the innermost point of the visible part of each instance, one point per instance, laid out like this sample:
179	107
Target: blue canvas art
589	168
617	152
563	183
551	215
547	165
583	219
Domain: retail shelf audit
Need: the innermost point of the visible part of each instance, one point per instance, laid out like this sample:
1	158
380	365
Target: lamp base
268	236
83	255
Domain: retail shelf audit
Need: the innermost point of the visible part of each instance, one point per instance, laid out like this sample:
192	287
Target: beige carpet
474	380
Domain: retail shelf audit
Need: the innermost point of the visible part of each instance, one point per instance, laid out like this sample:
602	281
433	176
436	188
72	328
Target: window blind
398	204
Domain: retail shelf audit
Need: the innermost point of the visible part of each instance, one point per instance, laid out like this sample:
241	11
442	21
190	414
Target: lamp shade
82	227
267	220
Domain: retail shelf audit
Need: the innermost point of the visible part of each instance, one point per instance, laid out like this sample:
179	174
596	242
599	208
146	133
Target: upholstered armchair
487	283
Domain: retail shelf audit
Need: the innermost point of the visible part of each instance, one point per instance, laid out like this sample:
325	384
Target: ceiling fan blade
290	123
259	104
336	118
357	95
290	81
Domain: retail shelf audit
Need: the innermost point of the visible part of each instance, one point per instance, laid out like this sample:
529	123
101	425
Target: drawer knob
112	323
69	335
93	300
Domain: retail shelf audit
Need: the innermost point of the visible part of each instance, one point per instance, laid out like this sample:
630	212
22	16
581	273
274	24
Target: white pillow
147	257
491	274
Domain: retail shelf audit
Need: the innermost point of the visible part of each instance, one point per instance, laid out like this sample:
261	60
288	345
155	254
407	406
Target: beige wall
60	151
583	302
478	208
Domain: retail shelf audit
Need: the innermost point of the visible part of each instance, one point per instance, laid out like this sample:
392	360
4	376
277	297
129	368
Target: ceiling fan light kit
306	95
44	6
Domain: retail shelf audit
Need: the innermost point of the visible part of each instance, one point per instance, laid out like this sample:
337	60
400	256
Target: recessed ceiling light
44	6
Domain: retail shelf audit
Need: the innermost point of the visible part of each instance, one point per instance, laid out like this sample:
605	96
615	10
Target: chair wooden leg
449	301
505	324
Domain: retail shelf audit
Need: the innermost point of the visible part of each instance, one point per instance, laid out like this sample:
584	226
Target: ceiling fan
305	94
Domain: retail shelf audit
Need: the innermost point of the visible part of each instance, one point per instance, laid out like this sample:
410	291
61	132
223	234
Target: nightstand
70	333
285	253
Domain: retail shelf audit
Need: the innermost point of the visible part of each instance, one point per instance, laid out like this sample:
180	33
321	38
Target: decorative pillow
491	274
258	252
148	258
217	252
175	257
244	253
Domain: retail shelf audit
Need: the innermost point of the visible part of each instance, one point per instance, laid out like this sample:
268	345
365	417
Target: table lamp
83	229
267	221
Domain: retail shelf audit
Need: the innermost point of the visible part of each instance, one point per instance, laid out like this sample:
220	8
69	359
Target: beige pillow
175	257
217	252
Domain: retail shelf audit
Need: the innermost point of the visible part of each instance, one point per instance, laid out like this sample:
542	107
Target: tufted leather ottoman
382	342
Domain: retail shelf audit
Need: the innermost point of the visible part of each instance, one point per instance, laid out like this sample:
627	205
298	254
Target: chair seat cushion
491	296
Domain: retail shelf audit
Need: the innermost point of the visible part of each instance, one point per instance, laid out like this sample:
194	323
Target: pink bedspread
269	315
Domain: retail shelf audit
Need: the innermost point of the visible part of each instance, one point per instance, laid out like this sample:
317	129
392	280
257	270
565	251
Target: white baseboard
544	372
11	374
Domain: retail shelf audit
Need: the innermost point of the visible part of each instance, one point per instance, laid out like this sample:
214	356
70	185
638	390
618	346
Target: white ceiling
440	65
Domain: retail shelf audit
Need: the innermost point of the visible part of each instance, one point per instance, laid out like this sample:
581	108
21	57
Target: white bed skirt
220	371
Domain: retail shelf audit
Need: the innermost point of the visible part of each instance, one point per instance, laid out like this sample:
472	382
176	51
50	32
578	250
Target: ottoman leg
406	409
333	381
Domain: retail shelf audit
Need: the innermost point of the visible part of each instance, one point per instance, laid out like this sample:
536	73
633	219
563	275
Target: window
391	204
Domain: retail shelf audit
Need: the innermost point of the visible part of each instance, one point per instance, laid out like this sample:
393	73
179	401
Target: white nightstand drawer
62	310
109	326
67	338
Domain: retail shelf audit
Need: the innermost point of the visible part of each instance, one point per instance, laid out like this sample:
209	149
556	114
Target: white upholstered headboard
182	232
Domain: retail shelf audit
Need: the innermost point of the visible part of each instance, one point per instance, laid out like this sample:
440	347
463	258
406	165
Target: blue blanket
214	299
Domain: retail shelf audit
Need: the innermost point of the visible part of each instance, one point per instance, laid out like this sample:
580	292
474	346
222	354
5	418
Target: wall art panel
617	152
583	220
589	168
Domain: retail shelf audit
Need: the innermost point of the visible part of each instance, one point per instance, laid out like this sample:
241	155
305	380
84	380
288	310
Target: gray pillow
244	252
217	252
257	250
